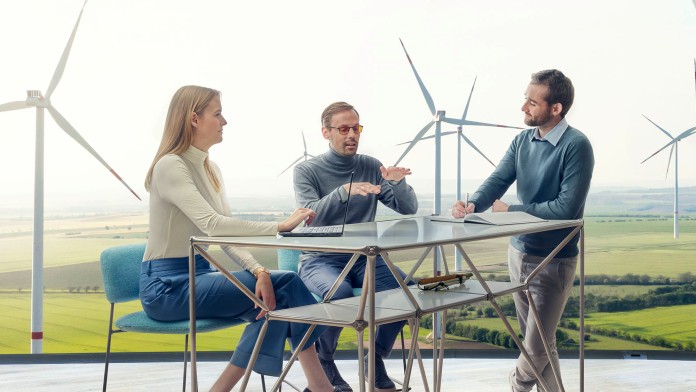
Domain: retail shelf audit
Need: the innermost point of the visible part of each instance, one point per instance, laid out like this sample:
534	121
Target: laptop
322	231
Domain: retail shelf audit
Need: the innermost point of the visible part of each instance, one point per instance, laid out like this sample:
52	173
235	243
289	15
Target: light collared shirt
554	135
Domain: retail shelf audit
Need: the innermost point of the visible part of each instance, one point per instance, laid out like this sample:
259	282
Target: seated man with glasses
322	184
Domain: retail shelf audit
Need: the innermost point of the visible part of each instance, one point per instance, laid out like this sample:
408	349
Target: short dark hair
332	109
560	88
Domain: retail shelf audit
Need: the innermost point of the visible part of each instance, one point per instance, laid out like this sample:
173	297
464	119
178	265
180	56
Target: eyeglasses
344	130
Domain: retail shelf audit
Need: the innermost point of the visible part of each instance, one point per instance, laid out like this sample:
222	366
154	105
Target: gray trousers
550	289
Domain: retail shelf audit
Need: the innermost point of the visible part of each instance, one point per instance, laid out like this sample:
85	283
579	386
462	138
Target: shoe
334	376
382	381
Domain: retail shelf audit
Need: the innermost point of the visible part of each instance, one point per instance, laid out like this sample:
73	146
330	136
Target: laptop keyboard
320	229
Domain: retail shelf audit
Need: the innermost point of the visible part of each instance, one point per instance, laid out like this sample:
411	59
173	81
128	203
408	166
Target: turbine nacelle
35	98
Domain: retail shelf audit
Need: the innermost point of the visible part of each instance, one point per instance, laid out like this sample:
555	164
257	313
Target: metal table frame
404	303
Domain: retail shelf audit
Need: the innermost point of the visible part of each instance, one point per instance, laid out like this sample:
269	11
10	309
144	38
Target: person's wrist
260	270
284	226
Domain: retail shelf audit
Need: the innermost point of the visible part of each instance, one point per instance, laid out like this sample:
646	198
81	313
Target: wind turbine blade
430	137
659	127
466	108
16	105
686	133
663	147
415	140
671	150
70	130
457	121
426	94
469	142
58	73
304	142
291	165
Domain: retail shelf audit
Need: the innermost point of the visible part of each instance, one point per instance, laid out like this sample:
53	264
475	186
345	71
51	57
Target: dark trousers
320	272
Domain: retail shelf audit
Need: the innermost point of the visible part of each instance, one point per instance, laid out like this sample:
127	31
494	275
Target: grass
597	342
614	245
674	323
78	323
618	291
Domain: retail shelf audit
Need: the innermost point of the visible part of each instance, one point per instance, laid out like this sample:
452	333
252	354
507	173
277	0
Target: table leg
582	308
370	276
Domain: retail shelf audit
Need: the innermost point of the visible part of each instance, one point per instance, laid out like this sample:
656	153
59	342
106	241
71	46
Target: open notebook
322	231
493	218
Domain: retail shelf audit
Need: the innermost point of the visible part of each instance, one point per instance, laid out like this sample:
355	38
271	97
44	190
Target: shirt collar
554	135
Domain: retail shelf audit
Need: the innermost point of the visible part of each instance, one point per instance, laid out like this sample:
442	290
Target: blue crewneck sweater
318	185
552	183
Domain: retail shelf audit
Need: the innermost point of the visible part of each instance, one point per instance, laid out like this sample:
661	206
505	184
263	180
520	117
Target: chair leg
263	383
108	347
185	361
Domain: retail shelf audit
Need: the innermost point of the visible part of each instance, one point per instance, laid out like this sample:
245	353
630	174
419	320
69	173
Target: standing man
322	184
552	163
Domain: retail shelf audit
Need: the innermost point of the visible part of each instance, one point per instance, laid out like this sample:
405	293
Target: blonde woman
187	198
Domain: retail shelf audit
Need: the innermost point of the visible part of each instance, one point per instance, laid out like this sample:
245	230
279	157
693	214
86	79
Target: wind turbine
674	143
460	123
37	100
438	118
304	155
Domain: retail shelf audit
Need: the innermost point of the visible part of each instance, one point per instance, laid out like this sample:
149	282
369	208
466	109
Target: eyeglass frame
347	129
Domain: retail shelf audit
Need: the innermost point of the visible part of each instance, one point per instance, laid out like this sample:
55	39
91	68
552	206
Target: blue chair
289	260
120	267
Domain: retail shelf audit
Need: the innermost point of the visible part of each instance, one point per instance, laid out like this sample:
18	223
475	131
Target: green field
78	322
674	323
597	342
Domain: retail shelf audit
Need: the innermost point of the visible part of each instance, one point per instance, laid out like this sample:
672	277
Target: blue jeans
164	293
319	274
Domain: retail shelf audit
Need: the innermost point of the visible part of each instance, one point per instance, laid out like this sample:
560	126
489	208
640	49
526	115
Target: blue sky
279	64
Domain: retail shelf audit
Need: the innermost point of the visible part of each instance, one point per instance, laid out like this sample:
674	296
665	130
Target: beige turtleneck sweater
184	203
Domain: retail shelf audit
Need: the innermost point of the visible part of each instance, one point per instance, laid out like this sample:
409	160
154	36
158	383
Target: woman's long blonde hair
178	131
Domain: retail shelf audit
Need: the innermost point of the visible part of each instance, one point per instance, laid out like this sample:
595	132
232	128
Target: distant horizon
81	201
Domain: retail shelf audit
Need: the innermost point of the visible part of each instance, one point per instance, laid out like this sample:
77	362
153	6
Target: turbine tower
304	155
438	118
674	144
40	102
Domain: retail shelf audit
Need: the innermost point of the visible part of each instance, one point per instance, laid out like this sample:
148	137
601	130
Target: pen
466	203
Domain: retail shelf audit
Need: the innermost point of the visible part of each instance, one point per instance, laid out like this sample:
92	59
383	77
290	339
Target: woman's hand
264	290
298	216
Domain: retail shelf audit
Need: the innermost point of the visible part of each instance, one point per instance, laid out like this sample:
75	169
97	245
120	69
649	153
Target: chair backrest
120	268
288	260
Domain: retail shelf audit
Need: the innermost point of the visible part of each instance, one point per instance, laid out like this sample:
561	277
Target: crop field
675	323
597	342
77	322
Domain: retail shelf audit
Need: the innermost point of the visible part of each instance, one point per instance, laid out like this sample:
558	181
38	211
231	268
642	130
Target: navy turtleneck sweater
318	185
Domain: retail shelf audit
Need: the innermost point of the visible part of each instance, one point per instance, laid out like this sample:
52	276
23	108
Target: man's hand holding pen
462	208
